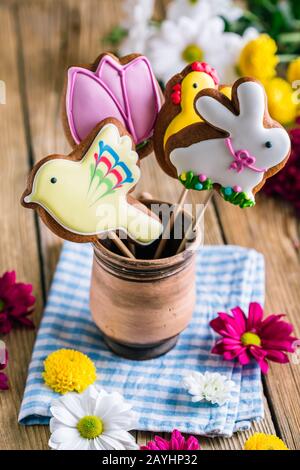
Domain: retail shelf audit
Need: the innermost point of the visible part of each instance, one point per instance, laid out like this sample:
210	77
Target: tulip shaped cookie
125	89
85	194
236	147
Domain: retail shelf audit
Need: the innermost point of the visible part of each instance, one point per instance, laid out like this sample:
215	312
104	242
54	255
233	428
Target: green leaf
115	36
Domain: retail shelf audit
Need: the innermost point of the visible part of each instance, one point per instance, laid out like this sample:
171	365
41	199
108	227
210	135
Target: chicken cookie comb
125	89
85	194
237	147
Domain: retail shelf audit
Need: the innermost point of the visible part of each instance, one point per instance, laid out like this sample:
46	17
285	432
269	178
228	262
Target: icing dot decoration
228	191
202	177
191	181
240	199
176	93
237	189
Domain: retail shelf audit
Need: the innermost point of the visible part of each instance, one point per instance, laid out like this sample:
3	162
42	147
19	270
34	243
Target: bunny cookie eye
53	180
268	144
195	85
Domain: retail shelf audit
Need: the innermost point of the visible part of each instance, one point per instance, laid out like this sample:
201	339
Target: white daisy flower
179	43
92	420
210	386
204	8
136	21
137	12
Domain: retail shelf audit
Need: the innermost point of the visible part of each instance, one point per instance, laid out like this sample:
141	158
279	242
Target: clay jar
142	305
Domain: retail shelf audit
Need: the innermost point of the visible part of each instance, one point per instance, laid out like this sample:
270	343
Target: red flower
3	364
249	337
286	183
16	301
177	442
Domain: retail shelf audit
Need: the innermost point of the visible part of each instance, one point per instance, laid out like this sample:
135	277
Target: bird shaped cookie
85	194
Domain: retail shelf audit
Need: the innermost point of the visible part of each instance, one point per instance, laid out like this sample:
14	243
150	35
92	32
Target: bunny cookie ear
209	105
251	92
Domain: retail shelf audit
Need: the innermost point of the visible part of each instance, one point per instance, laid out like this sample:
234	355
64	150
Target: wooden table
39	39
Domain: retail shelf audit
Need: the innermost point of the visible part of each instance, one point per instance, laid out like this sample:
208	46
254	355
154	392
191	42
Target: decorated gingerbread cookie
125	89
235	148
85	194
178	110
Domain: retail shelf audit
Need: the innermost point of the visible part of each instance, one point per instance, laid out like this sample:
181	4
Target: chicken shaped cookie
236	147
85	194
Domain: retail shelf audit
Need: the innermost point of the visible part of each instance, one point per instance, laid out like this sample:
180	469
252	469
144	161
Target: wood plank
18	239
55	35
271	228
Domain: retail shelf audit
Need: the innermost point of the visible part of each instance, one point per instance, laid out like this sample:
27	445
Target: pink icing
242	159
128	92
202	178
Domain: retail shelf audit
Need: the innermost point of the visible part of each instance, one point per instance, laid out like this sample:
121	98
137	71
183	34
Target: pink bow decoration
242	159
129	93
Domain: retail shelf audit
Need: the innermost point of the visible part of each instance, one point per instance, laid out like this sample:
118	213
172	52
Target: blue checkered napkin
226	276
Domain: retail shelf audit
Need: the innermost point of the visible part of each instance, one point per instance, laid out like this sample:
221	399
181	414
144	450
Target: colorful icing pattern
128	92
239	163
201	76
89	196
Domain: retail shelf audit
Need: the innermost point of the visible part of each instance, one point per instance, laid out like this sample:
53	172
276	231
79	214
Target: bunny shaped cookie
250	147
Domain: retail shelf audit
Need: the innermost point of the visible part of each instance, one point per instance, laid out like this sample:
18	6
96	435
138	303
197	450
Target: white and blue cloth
227	276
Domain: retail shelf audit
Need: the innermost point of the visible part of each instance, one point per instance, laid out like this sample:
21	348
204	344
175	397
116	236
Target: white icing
213	158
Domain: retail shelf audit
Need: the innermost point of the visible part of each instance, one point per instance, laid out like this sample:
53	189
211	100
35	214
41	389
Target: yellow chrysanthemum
258	58
281	102
293	72
261	441
67	370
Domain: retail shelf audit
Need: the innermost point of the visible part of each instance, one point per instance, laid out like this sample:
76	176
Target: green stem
285	58
287	38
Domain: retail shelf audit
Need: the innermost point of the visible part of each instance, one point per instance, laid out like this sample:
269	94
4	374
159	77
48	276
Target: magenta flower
16	301
177	442
3	364
249	337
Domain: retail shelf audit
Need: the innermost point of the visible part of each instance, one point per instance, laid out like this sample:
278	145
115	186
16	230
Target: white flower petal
71	401
64	434
212	387
77	444
122	437
63	415
116	413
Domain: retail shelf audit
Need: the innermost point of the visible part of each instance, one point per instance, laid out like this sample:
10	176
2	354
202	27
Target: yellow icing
188	115
227	91
80	204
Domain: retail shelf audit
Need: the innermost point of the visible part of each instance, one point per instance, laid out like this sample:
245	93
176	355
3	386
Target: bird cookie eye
195	85
53	180
268	144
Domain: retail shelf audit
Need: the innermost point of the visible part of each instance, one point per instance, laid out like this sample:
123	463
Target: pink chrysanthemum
177	442
16	301
3	364
249	337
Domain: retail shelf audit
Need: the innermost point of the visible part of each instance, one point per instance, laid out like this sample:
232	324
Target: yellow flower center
90	427
2	305
249	338
192	53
